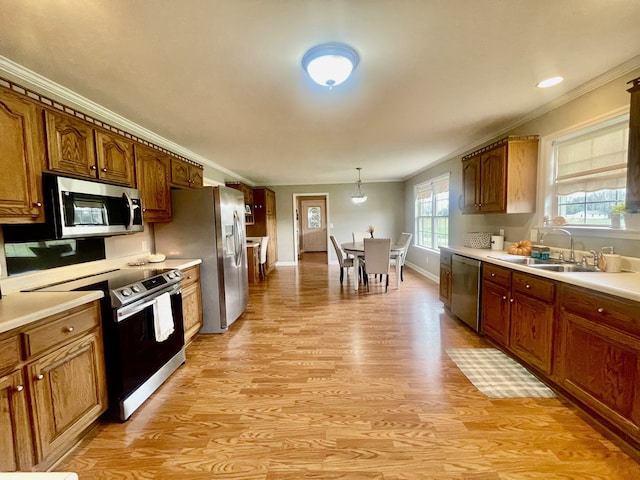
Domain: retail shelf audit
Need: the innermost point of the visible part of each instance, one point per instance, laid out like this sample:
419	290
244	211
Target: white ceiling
223	78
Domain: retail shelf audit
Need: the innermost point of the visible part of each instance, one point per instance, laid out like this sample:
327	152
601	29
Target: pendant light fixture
330	64
358	198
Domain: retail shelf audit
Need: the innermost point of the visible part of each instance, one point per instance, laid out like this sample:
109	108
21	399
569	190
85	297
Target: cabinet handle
511	300
37	204
104	169
39	377
93	167
188	277
504	297
493	274
527	286
600	310
19	388
69	329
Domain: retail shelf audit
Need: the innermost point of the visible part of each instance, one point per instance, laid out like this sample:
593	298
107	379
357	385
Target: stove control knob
171	275
125	292
136	289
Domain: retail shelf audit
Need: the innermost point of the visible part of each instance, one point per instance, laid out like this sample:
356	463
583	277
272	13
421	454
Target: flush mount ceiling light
358	198
549	82
330	64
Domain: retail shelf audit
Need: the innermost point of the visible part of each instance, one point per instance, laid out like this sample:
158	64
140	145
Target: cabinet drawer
496	274
617	312
535	286
60	328
191	275
9	353
445	258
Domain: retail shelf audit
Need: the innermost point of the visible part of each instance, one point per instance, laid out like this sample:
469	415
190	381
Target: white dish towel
163	317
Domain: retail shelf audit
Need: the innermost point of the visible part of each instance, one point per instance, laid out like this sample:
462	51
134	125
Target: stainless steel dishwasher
465	290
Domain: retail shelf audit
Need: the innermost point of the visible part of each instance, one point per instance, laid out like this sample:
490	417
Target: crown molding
593	84
40	84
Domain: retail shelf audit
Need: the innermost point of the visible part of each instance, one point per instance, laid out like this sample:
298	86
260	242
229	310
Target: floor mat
496	375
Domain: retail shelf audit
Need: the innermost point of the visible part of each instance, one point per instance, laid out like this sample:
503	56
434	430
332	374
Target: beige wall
596	103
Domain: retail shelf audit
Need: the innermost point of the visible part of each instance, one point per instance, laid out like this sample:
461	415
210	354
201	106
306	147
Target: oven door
132	353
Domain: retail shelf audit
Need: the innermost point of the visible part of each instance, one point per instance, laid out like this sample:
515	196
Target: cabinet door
272	246
180	173
493	172
531	330
601	367
445	285
20	161
471	185
68	391
196	174
115	158
16	452
70	147
191	310
153	172
495	312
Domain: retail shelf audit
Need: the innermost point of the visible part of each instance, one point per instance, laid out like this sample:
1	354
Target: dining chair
263	257
405	242
344	260
376	258
358	237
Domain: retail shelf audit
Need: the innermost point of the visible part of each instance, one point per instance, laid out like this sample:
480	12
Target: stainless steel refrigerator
208	223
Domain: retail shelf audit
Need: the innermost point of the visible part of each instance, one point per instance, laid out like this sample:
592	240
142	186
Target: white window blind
592	161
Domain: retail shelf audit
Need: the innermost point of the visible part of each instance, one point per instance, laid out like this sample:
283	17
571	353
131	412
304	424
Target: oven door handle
125	312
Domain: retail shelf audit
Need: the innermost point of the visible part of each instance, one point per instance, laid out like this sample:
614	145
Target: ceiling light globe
330	64
358	199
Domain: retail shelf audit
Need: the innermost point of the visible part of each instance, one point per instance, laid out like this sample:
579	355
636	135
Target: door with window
314	225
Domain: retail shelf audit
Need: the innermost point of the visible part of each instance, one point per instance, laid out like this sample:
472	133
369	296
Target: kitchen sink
527	260
564	267
550	264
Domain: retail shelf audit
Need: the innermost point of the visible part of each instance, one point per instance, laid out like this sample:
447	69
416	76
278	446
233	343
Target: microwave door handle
131	210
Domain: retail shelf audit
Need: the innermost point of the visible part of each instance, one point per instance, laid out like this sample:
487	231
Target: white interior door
313	221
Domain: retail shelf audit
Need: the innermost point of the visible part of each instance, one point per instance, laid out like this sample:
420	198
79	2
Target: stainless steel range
143	331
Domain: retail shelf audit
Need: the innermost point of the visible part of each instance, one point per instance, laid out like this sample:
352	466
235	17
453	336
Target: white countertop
623	284
39	476
21	308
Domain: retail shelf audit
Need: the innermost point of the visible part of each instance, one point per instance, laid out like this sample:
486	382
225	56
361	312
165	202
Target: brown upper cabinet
501	177
247	191
21	158
74	147
185	174
633	164
153	174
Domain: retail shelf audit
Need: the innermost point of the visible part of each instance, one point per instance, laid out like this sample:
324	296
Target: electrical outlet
145	245
533	236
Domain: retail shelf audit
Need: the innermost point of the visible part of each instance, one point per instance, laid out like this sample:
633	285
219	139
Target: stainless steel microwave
77	208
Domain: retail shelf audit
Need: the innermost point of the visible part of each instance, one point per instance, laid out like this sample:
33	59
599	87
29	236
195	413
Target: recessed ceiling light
549	82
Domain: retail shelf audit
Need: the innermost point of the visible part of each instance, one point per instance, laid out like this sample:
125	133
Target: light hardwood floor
316	381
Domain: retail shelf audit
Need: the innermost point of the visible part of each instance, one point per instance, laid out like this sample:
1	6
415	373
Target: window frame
426	186
546	197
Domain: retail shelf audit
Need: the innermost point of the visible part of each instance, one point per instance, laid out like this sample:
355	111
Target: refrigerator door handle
237	238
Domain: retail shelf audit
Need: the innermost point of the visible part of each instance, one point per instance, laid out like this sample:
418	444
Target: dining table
357	250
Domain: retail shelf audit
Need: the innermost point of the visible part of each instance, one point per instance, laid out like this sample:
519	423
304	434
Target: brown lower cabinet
191	302
598	356
584	343
52	387
445	278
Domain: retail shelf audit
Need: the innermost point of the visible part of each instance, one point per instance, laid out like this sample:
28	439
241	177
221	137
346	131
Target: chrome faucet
572	256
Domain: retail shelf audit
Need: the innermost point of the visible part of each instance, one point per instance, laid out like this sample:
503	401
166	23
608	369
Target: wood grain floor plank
317	381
